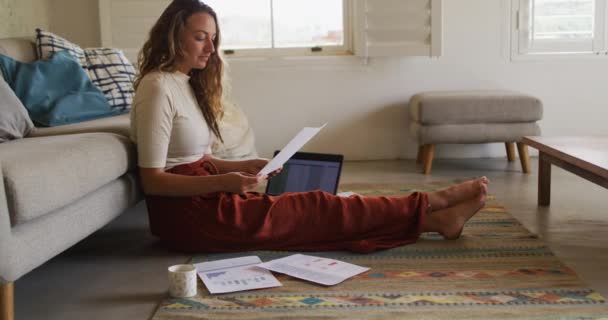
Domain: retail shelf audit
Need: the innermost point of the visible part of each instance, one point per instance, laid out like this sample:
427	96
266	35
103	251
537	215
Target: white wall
76	20
365	105
20	18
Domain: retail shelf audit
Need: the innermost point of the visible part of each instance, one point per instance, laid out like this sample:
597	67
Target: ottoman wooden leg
523	157
510	151
429	153
7	311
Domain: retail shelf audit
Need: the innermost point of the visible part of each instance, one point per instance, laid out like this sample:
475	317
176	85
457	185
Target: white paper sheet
238	274
316	269
346	194
290	149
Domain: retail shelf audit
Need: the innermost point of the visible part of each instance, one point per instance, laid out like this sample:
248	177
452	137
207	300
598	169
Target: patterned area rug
496	270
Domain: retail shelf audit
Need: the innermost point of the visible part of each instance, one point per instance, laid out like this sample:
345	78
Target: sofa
59	185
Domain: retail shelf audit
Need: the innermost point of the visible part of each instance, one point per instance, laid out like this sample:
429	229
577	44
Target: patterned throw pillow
108	68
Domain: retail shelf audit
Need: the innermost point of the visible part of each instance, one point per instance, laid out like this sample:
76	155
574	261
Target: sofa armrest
22	49
25	246
5	217
5	227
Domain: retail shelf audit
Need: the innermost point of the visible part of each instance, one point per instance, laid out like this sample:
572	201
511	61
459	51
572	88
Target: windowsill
559	56
325	62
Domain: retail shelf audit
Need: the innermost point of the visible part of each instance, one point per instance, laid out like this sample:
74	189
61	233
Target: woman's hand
254	166
274	173
240	182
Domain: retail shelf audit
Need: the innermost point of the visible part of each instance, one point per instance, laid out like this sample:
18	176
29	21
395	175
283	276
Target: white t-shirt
167	123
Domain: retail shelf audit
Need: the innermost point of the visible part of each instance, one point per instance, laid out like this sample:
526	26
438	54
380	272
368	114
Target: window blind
385	28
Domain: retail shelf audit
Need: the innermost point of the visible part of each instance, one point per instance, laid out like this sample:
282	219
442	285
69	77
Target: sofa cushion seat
44	174
457	107
114	124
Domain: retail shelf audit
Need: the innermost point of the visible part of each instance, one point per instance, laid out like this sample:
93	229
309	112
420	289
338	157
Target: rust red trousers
303	221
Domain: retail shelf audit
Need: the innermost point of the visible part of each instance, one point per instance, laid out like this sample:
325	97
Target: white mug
182	281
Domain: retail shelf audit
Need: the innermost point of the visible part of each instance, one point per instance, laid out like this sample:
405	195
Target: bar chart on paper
316	269
240	281
233	275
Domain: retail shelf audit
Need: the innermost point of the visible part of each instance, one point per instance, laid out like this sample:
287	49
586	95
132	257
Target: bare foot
450	221
454	195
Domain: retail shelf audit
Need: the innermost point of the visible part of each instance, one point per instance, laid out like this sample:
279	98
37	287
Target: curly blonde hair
162	51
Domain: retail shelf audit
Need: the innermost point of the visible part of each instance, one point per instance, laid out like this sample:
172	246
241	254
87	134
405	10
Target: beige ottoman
463	117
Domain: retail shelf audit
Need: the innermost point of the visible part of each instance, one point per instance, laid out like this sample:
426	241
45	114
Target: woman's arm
156	181
225	166
252	166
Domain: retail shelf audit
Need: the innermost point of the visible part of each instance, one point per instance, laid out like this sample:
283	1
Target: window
559	27
262	28
283	27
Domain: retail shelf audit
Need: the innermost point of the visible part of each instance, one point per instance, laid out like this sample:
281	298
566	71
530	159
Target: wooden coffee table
586	157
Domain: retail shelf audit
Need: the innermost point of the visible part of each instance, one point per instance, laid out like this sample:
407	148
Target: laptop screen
307	171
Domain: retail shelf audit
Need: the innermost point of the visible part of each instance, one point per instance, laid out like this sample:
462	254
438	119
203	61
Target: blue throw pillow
56	91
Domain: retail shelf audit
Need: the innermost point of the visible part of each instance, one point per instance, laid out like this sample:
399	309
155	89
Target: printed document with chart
238	274
316	269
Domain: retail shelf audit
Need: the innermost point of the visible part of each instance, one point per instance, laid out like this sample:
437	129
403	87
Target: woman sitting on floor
198	203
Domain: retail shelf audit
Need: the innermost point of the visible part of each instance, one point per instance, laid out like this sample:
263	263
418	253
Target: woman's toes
484	190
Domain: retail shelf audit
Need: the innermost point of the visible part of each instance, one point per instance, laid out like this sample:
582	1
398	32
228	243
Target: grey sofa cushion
44	174
473	133
115	124
15	123
29	245
450	107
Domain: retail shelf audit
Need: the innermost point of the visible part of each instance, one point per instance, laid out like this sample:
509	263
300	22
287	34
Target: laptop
307	171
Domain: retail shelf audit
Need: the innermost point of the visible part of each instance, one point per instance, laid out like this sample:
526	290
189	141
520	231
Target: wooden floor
120	271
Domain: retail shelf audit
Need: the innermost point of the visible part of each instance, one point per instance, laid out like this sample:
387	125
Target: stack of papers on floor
248	273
